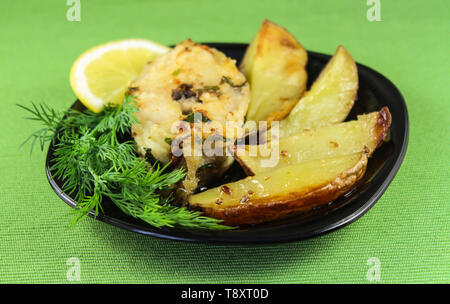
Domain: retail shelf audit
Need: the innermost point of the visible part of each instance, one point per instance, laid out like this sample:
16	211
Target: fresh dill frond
94	162
50	118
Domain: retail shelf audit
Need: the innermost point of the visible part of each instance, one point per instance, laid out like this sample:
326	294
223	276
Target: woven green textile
408	230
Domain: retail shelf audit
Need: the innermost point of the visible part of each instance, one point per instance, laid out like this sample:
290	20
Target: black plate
375	91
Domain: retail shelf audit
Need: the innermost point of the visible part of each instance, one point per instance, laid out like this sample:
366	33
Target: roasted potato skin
272	208
383	124
274	64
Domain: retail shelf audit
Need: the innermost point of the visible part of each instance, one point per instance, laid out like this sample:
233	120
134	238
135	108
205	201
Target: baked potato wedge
330	98
365	134
274	65
282	192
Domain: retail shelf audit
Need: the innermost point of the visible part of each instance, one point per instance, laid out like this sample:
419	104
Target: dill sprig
94	162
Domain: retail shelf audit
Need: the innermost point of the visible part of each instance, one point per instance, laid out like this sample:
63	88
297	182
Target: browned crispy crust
382	126
284	41
273	208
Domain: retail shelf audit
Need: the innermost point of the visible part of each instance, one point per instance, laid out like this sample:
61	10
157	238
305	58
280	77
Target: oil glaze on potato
282	192
274	64
365	134
330	98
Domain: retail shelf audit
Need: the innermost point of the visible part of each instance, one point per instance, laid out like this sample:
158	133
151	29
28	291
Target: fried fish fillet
191	80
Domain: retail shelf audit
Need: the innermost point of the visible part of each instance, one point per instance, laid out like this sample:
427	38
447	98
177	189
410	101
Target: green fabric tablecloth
407	231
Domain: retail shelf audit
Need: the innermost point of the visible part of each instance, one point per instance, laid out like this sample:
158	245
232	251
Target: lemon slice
102	74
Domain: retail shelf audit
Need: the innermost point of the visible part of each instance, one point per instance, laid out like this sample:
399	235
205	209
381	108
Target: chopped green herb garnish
226	79
196	117
168	140
176	72
211	89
